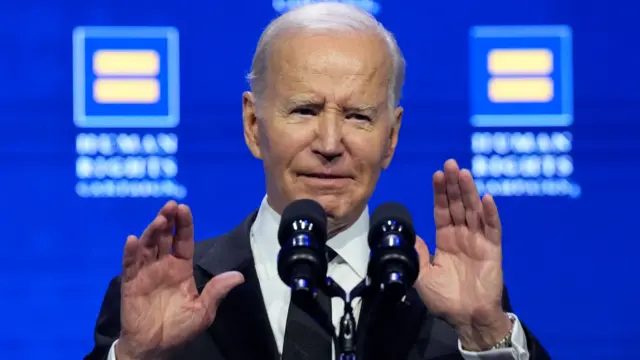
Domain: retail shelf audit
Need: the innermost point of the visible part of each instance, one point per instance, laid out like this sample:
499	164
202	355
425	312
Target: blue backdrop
545	114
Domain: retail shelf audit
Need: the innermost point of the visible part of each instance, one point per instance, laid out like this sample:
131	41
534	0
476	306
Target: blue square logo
126	77
521	76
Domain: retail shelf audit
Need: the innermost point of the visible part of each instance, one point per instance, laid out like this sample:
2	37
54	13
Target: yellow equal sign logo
520	76
126	77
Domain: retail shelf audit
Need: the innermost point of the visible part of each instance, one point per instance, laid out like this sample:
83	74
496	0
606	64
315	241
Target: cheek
368	156
283	143
369	148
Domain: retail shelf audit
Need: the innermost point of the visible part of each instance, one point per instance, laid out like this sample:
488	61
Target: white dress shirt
347	269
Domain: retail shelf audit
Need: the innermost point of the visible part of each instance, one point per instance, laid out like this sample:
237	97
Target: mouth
324	176
325	179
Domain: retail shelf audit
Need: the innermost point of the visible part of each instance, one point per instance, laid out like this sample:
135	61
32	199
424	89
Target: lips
325	176
325	181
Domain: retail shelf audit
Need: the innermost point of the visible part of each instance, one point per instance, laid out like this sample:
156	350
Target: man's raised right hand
160	305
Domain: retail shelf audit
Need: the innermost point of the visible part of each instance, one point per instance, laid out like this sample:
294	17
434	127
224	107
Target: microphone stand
346	342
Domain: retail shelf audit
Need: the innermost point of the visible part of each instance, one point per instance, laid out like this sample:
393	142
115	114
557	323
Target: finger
131	258
454	194
471	200
441	214
165	234
152	235
149	239
492	225
183	240
217	289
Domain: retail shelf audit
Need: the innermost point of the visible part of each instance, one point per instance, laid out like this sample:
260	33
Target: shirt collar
351	244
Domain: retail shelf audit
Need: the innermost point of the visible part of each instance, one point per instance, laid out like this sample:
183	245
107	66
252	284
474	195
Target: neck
335	227
338	225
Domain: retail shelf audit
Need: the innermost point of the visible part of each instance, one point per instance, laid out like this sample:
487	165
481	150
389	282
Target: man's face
324	129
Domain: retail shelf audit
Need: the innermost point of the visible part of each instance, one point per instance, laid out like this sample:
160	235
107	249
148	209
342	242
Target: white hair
326	16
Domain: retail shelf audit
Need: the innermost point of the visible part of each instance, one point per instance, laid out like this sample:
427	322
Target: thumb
131	258
217	289
423	253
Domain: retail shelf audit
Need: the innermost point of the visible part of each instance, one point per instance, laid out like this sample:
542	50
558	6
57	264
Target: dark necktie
308	333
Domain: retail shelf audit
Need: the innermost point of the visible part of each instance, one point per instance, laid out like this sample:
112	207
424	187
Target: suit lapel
388	331
241	329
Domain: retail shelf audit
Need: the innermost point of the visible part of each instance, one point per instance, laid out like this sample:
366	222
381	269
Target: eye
359	117
304	111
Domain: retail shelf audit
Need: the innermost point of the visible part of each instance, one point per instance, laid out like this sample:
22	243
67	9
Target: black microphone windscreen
393	265
393	211
303	209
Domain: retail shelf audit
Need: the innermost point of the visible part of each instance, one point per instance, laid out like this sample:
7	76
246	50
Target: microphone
393	265
302	263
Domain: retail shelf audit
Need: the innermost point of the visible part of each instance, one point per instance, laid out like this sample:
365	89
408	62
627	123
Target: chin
337	207
332	205
339	204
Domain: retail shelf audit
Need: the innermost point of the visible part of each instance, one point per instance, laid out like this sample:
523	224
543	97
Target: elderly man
323	118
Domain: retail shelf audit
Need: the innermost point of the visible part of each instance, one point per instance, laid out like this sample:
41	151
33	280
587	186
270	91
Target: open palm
160	305
463	282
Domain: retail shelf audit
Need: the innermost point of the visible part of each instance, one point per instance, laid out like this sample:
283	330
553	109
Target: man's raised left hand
464	282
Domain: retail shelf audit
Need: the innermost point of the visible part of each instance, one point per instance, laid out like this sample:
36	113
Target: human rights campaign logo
126	77
521	76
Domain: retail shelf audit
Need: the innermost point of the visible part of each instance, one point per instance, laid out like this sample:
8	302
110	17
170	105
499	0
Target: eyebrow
350	108
361	108
294	102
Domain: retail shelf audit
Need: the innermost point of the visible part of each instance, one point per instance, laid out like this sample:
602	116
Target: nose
329	142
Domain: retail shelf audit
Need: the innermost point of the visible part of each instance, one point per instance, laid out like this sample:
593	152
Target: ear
250	124
392	141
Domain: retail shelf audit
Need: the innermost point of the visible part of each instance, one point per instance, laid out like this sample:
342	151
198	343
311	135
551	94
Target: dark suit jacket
241	330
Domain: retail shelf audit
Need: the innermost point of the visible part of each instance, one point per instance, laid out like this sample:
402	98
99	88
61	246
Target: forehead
339	67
